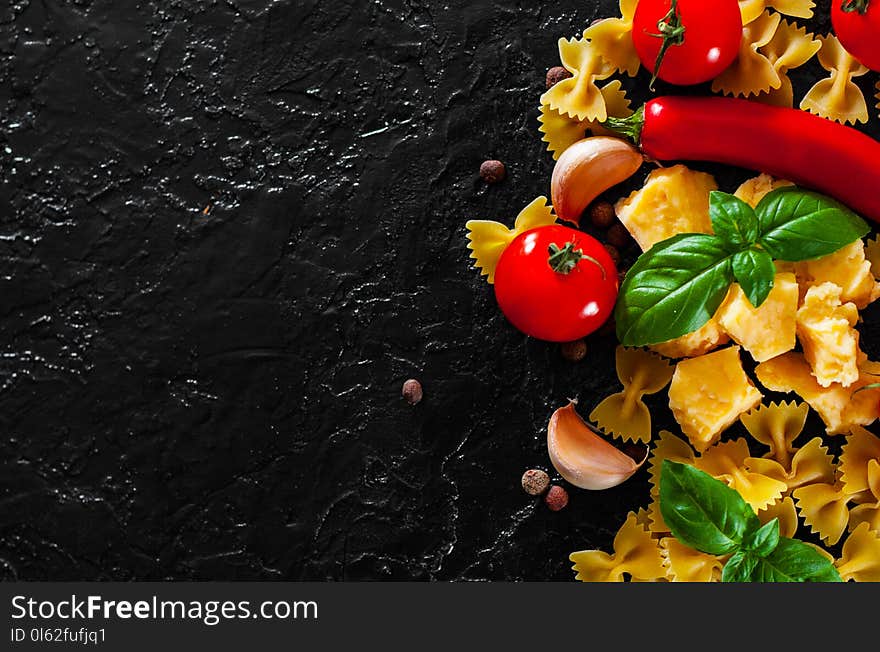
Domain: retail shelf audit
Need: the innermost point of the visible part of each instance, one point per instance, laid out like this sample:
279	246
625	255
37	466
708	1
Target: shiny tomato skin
549	305
713	32
859	33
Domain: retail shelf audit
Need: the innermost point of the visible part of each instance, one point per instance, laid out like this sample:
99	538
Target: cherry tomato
556	284
687	41
857	25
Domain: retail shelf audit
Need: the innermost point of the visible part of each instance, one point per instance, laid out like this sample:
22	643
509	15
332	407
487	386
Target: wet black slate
229	232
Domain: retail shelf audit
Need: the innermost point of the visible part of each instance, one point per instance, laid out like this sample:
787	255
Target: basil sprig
675	287
707	515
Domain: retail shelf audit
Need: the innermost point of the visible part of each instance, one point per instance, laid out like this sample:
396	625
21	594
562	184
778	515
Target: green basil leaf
739	568
702	512
800	225
794	561
673	289
755	272
733	220
764	540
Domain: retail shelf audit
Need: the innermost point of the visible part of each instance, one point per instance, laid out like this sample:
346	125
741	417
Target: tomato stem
630	127
672	32
563	260
852	6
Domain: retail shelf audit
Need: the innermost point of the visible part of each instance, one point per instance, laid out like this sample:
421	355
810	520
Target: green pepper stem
852	6
630	127
564	259
672	30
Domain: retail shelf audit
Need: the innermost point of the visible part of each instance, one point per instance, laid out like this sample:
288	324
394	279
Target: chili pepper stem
672	31
630	127
563	260
852	6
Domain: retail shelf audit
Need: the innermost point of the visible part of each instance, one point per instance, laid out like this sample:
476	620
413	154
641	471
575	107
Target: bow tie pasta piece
826	330
790	48
751	73
849	269
861	448
840	408
578	96
860	560
562	131
684	564
777	426
767	331
667	447
810	464
726	462
838	97
824	509
673	200
868	510
752	9
613	38
755	189
624	414
488	240
785	511
636	555
709	393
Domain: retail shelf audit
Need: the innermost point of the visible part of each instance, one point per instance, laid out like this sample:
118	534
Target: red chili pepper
791	144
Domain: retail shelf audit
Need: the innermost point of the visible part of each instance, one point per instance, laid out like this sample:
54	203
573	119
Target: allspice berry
493	171
535	482
556	75
574	351
619	236
614	253
602	215
557	498
412	391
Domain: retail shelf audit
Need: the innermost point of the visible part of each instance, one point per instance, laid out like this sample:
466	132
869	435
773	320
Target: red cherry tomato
687	41
556	284
857	25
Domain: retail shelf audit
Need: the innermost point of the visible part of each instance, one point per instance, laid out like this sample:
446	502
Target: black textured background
230	231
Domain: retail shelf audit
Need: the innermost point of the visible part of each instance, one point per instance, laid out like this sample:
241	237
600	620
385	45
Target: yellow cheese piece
708	338
840	407
674	200
754	190
769	330
825	329
848	269
709	393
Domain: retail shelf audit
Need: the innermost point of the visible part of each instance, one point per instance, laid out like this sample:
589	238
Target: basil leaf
739	568
673	289
702	512
800	225
764	540
755	272
794	561
733	219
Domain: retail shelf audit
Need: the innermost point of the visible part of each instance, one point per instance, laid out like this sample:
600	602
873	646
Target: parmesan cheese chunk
825	329
769	330
848	268
674	200
700	342
755	189
709	393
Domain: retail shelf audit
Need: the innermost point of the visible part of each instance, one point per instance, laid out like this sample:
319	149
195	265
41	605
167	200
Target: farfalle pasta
752	9
726	461
861	448
613	39
667	447
624	414
579	96
684	564
636	556
791	47
752	72
562	131
489	239
860	559
810	464
838	97
777	426
824	508
785	511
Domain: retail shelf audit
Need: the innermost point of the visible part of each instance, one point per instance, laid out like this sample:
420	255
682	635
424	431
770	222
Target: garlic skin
587	169
582	457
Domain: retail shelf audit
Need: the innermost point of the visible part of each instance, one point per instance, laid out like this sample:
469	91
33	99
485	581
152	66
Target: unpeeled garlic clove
582	457
587	169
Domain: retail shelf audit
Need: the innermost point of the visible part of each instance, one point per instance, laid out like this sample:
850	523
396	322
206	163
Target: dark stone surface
230	231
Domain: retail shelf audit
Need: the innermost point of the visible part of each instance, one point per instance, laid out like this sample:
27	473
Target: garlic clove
582	457
587	169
